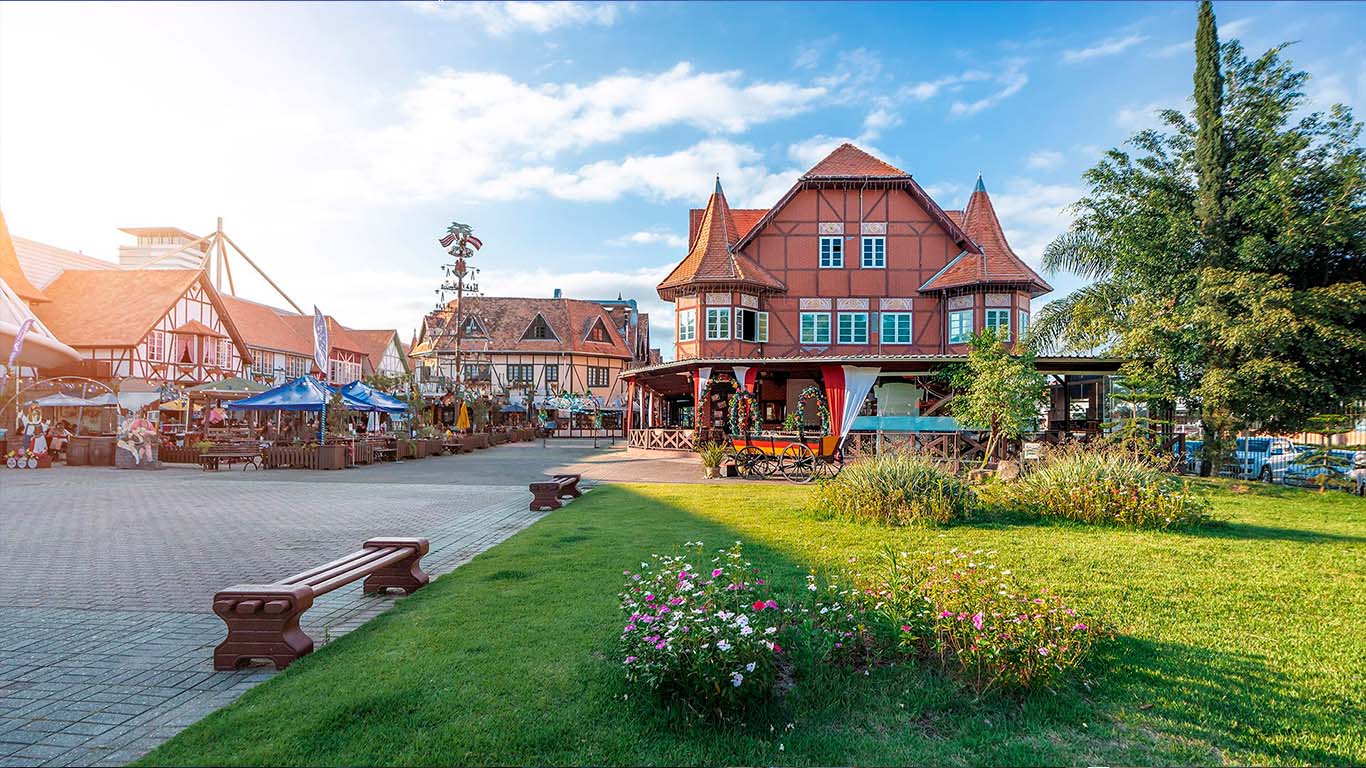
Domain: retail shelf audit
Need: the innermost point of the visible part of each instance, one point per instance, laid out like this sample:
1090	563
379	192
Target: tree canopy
1226	250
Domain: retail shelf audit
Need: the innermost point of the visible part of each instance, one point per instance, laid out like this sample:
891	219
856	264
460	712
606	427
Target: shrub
711	454
895	489
707	638
982	625
1111	486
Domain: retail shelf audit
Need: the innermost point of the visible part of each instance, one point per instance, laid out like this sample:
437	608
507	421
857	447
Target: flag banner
321	348
447	240
474	241
24	328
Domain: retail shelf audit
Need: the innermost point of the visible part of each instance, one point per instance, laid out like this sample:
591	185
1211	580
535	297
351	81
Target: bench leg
406	574
571	491
263	623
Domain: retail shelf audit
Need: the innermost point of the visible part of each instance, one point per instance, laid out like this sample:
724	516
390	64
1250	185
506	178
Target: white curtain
857	383
703	374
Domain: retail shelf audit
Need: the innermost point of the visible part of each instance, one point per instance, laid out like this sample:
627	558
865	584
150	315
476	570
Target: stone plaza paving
106	576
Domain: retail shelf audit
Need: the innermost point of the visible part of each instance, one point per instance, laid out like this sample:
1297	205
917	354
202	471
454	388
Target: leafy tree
337	414
997	392
1226	252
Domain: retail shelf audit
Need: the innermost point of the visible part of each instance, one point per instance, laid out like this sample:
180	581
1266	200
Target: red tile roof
745	219
377	343
712	258
505	320
848	160
112	308
338	335
12	273
264	327
996	264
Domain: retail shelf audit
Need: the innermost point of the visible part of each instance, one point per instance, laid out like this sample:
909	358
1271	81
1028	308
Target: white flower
770	630
749	667
722	645
811	587
745	631
736	678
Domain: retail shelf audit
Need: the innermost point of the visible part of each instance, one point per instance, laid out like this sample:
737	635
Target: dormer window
599	332
539	330
472	327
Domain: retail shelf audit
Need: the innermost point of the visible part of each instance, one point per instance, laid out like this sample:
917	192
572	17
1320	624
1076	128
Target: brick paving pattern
106	577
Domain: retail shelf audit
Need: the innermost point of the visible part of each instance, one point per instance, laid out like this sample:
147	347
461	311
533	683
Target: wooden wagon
797	457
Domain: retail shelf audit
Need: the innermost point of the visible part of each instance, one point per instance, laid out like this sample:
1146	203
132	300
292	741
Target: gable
539	330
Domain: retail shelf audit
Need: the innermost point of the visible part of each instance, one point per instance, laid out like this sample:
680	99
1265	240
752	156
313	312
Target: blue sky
338	140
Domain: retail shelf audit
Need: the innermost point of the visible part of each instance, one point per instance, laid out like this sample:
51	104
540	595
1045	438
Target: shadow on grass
512	659
997	519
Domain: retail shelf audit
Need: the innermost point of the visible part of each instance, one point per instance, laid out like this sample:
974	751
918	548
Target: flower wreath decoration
720	378
743	414
814	393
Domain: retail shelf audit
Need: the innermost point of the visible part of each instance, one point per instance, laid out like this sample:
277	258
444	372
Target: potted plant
791	423
711	455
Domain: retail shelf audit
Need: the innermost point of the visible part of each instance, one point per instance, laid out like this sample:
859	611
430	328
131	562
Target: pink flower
1044	651
772	604
905	627
977	620
777	648
716	572
649	598
630	659
1078	625
945	614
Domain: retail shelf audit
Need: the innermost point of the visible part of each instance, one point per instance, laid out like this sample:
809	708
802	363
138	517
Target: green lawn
1244	643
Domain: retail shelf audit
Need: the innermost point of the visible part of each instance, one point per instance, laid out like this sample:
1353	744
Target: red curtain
833	376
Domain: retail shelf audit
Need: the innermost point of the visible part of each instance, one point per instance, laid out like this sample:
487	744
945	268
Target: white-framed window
263	363
687	325
853	327
342	372
960	326
718	323
832	252
751	325
210	354
998	320
599	376
815	327
156	346
874	252
299	366
1024	323
896	328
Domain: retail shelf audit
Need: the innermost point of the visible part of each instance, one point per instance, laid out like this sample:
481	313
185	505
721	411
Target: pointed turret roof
712	258
997	263
12	273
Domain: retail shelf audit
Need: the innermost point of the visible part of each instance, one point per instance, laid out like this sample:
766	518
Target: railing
936	446
659	439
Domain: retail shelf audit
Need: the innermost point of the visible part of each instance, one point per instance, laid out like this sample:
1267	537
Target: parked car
1351	471
1261	458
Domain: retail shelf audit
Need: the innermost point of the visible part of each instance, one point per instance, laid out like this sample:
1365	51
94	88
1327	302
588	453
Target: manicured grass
1243	643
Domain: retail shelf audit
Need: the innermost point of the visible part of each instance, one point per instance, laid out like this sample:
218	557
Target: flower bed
704	637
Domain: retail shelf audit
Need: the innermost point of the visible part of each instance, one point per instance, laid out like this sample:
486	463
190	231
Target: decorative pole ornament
460	243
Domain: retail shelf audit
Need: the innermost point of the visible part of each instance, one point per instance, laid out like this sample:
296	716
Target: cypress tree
1210	154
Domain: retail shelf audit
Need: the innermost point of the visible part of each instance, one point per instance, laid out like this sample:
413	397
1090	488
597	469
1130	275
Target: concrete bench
547	493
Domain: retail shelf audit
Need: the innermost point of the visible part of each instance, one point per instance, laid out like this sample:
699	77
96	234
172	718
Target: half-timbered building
856	266
164	326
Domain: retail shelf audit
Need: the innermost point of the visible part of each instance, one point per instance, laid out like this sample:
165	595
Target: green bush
1107	486
895	489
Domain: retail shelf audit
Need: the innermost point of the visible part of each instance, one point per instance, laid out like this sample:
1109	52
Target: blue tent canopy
377	400
302	394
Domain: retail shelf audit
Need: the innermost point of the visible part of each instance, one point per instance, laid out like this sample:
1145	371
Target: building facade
514	348
855	267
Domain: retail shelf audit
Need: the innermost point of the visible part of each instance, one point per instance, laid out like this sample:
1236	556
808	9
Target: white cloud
928	89
1138	117
1044	158
851	71
811	52
651	237
876	122
503	18
1108	47
1032	214
1227	31
1011	81
482	135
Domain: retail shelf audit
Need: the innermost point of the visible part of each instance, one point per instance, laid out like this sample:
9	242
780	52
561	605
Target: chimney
557	293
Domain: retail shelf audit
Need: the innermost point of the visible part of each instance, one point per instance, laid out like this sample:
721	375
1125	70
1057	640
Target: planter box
173	455
402	450
419	449
290	456
479	440
332	456
102	451
435	447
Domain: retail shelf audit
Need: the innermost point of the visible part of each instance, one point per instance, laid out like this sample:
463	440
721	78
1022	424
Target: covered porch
883	402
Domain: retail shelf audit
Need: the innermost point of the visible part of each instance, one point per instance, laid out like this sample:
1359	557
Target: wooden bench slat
343	579
357	565
298	577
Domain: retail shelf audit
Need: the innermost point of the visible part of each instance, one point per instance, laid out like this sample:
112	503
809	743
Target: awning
231	387
377	400
64	401
302	394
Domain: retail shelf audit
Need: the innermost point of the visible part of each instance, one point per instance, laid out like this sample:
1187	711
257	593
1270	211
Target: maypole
460	244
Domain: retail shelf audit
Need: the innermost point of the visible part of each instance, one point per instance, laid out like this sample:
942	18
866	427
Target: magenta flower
649	598
716	572
772	604
1078	625
977	620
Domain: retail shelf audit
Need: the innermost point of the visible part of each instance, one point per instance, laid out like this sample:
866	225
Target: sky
338	140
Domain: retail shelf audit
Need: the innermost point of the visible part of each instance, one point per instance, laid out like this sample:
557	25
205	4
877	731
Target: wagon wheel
755	463
797	463
828	467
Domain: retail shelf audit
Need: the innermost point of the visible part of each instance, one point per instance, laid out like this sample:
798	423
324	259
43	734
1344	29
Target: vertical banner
746	376
18	347
321	347
703	375
846	387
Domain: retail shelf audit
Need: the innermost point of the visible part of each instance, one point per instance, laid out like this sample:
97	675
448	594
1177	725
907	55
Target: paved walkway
106	576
